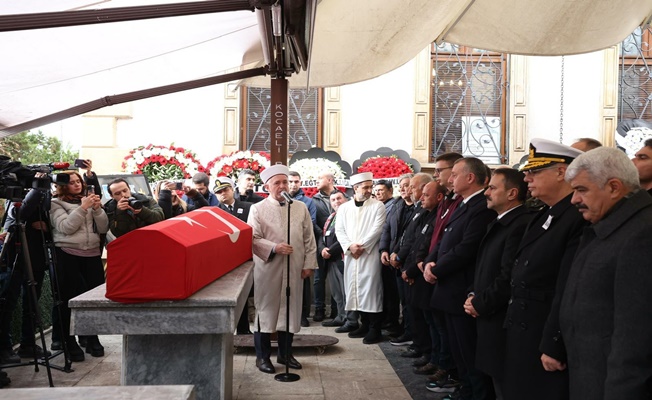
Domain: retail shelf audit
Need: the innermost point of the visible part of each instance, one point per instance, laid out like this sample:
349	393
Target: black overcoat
532	323
492	287
605	310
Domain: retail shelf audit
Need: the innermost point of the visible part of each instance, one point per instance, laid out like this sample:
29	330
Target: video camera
16	178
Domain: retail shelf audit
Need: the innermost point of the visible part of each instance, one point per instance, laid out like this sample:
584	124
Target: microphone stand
287	376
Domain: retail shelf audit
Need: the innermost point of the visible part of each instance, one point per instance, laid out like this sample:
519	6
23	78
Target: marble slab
214	309
162	392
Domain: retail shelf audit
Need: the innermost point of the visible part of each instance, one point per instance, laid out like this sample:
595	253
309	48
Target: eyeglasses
439	170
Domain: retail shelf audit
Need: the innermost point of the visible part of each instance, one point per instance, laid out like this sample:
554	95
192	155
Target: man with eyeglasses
535	356
358	227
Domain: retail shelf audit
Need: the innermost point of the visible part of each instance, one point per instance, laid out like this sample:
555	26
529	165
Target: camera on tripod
16	178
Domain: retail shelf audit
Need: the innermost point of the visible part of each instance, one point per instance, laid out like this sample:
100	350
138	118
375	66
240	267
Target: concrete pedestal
173	342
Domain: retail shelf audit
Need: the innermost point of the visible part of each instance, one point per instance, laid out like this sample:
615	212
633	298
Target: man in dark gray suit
605	317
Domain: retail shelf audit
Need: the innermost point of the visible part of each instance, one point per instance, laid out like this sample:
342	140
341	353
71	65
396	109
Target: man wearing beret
535	356
269	220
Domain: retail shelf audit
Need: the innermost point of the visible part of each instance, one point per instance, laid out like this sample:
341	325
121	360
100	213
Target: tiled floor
348	370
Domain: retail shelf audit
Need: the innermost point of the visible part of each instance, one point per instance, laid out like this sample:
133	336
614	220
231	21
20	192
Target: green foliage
36	148
156	171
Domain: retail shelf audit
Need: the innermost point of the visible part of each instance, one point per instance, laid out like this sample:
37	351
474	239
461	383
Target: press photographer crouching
129	211
78	220
172	204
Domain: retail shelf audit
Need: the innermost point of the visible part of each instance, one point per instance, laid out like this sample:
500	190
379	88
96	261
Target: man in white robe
269	220
358	227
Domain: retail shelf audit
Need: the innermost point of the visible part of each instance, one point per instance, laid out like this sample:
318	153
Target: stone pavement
348	370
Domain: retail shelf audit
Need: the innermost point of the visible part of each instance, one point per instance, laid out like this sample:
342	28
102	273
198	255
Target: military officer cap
544	153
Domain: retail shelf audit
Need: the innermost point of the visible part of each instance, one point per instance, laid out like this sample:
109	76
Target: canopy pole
279	134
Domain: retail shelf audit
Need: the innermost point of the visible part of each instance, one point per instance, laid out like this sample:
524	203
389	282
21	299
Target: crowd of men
526	283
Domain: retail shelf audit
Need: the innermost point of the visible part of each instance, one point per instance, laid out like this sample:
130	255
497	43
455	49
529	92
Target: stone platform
172	342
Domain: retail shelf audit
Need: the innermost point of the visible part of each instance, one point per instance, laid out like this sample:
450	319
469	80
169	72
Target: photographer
127	211
172	204
77	220
32	211
201	180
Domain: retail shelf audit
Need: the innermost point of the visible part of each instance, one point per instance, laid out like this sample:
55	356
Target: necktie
231	209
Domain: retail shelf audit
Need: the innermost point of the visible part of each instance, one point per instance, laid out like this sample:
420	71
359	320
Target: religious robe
363	282
269	221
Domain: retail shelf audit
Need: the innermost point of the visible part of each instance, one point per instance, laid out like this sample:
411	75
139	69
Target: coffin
173	259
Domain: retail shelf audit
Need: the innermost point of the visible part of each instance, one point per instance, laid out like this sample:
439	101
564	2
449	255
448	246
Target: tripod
18	237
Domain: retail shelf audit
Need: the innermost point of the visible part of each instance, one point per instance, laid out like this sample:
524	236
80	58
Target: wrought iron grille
468	103
636	76
303	119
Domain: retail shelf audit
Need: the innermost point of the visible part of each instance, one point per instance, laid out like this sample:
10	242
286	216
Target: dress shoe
403	340
319	315
265	365
8	356
56	345
291	362
4	379
83	340
247	332
332	323
346	328
304	322
372	337
94	347
427	369
75	352
440	376
28	351
360	332
421	361
411	353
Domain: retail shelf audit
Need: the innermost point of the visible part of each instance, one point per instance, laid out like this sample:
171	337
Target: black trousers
76	275
263	344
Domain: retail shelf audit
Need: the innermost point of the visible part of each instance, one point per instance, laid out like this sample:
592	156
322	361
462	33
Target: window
468	103
304	119
636	76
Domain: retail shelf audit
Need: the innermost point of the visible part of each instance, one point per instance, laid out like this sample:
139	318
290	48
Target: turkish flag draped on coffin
173	259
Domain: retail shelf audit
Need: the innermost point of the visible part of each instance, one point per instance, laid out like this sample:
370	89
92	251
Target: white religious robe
363	282
269	221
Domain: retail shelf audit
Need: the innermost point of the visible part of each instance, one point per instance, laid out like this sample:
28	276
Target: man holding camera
127	211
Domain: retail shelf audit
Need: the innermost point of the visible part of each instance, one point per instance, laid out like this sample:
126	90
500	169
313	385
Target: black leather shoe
265	365
411	353
291	361
421	361
94	347
75	352
373	336
319	315
56	345
346	328
304	322
27	351
83	340
360	332
332	323
8	356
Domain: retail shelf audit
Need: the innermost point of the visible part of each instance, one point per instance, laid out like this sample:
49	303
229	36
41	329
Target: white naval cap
544	153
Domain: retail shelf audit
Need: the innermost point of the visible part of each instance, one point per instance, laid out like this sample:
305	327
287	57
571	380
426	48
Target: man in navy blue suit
451	268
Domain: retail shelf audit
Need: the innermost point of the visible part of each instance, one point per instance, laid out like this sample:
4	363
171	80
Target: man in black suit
605	316
228	202
451	266
487	301
246	184
240	209
643	163
535	357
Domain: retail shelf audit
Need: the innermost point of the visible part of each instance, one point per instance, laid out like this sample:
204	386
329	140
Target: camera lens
135	204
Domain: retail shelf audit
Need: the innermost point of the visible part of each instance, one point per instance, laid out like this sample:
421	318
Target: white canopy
49	70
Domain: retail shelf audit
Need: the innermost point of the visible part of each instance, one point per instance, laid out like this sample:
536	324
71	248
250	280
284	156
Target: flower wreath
311	168
162	162
231	165
385	167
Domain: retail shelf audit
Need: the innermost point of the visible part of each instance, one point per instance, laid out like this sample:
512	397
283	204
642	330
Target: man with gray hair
604	317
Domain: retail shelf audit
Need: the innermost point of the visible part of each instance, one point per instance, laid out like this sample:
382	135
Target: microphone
59	165
287	197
